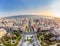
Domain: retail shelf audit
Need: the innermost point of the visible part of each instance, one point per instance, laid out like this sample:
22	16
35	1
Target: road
23	39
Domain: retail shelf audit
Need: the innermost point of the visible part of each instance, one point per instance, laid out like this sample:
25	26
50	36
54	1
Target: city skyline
29	22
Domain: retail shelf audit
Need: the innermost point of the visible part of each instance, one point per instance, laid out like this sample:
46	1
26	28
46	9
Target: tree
58	45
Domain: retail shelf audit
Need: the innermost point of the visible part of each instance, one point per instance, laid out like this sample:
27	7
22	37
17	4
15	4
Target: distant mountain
29	16
24	16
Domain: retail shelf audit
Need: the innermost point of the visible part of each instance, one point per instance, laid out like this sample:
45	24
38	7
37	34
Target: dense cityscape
30	31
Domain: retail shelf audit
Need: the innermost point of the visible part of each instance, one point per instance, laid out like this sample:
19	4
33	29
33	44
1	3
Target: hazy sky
28	7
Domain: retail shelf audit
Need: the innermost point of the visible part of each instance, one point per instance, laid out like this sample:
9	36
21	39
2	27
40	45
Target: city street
26	43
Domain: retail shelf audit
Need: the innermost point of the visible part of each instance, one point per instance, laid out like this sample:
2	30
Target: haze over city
30	7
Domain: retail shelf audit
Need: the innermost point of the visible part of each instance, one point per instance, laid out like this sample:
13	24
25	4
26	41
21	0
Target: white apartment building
3	32
15	28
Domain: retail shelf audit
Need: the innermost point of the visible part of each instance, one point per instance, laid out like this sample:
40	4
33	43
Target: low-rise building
10	35
3	32
56	31
16	28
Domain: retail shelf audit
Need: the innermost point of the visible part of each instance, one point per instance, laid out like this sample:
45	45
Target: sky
29	7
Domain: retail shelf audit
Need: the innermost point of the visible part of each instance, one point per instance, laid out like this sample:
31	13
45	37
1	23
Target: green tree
58	45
